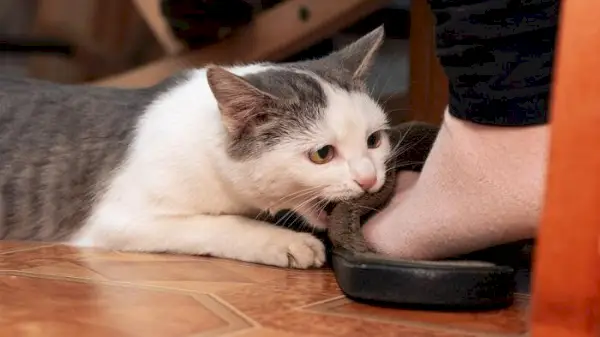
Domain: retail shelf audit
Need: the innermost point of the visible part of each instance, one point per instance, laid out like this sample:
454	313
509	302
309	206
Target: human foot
480	186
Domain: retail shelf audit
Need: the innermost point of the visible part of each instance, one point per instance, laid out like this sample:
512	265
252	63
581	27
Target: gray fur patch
289	85
58	143
331	73
301	101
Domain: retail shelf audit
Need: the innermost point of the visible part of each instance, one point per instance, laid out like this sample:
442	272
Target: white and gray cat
187	165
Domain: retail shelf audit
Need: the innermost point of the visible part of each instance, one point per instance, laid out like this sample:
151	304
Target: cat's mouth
317	213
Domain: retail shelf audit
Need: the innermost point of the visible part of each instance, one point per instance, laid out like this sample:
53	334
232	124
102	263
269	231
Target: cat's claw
296	250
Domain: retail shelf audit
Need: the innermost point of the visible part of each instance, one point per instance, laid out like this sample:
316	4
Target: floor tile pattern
54	290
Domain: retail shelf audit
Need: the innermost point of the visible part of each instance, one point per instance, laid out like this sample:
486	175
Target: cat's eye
374	140
321	155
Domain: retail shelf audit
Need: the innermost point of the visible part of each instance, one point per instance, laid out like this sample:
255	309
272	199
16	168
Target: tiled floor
53	290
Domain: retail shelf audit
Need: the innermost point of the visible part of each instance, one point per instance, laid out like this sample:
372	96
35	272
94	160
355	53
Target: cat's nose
366	182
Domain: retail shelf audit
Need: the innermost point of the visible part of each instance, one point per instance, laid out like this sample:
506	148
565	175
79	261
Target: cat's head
306	132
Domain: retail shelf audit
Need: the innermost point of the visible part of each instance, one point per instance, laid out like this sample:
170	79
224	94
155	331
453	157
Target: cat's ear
241	104
358	57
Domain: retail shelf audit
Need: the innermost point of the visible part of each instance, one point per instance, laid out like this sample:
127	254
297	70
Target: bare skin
480	186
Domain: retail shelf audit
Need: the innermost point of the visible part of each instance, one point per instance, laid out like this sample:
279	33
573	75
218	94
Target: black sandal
481	280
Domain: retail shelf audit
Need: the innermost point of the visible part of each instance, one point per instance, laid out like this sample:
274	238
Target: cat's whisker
376	80
321	209
318	208
294	211
403	164
400	150
304	203
300	205
390	111
298	194
402	147
356	205
382	90
405	134
308	197
309	189
284	220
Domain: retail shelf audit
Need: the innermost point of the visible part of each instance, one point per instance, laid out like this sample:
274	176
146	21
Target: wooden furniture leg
428	83
566	289
150	11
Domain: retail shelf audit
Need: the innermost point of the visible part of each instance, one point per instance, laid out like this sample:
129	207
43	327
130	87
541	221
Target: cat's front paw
295	250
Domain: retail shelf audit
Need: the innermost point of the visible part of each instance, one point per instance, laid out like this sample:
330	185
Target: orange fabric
566	285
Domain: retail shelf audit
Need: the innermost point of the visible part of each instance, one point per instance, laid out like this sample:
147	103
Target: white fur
178	190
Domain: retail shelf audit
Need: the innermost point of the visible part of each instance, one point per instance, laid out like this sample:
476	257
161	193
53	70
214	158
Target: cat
187	165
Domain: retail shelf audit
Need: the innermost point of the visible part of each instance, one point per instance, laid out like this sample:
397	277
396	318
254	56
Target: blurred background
136	43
